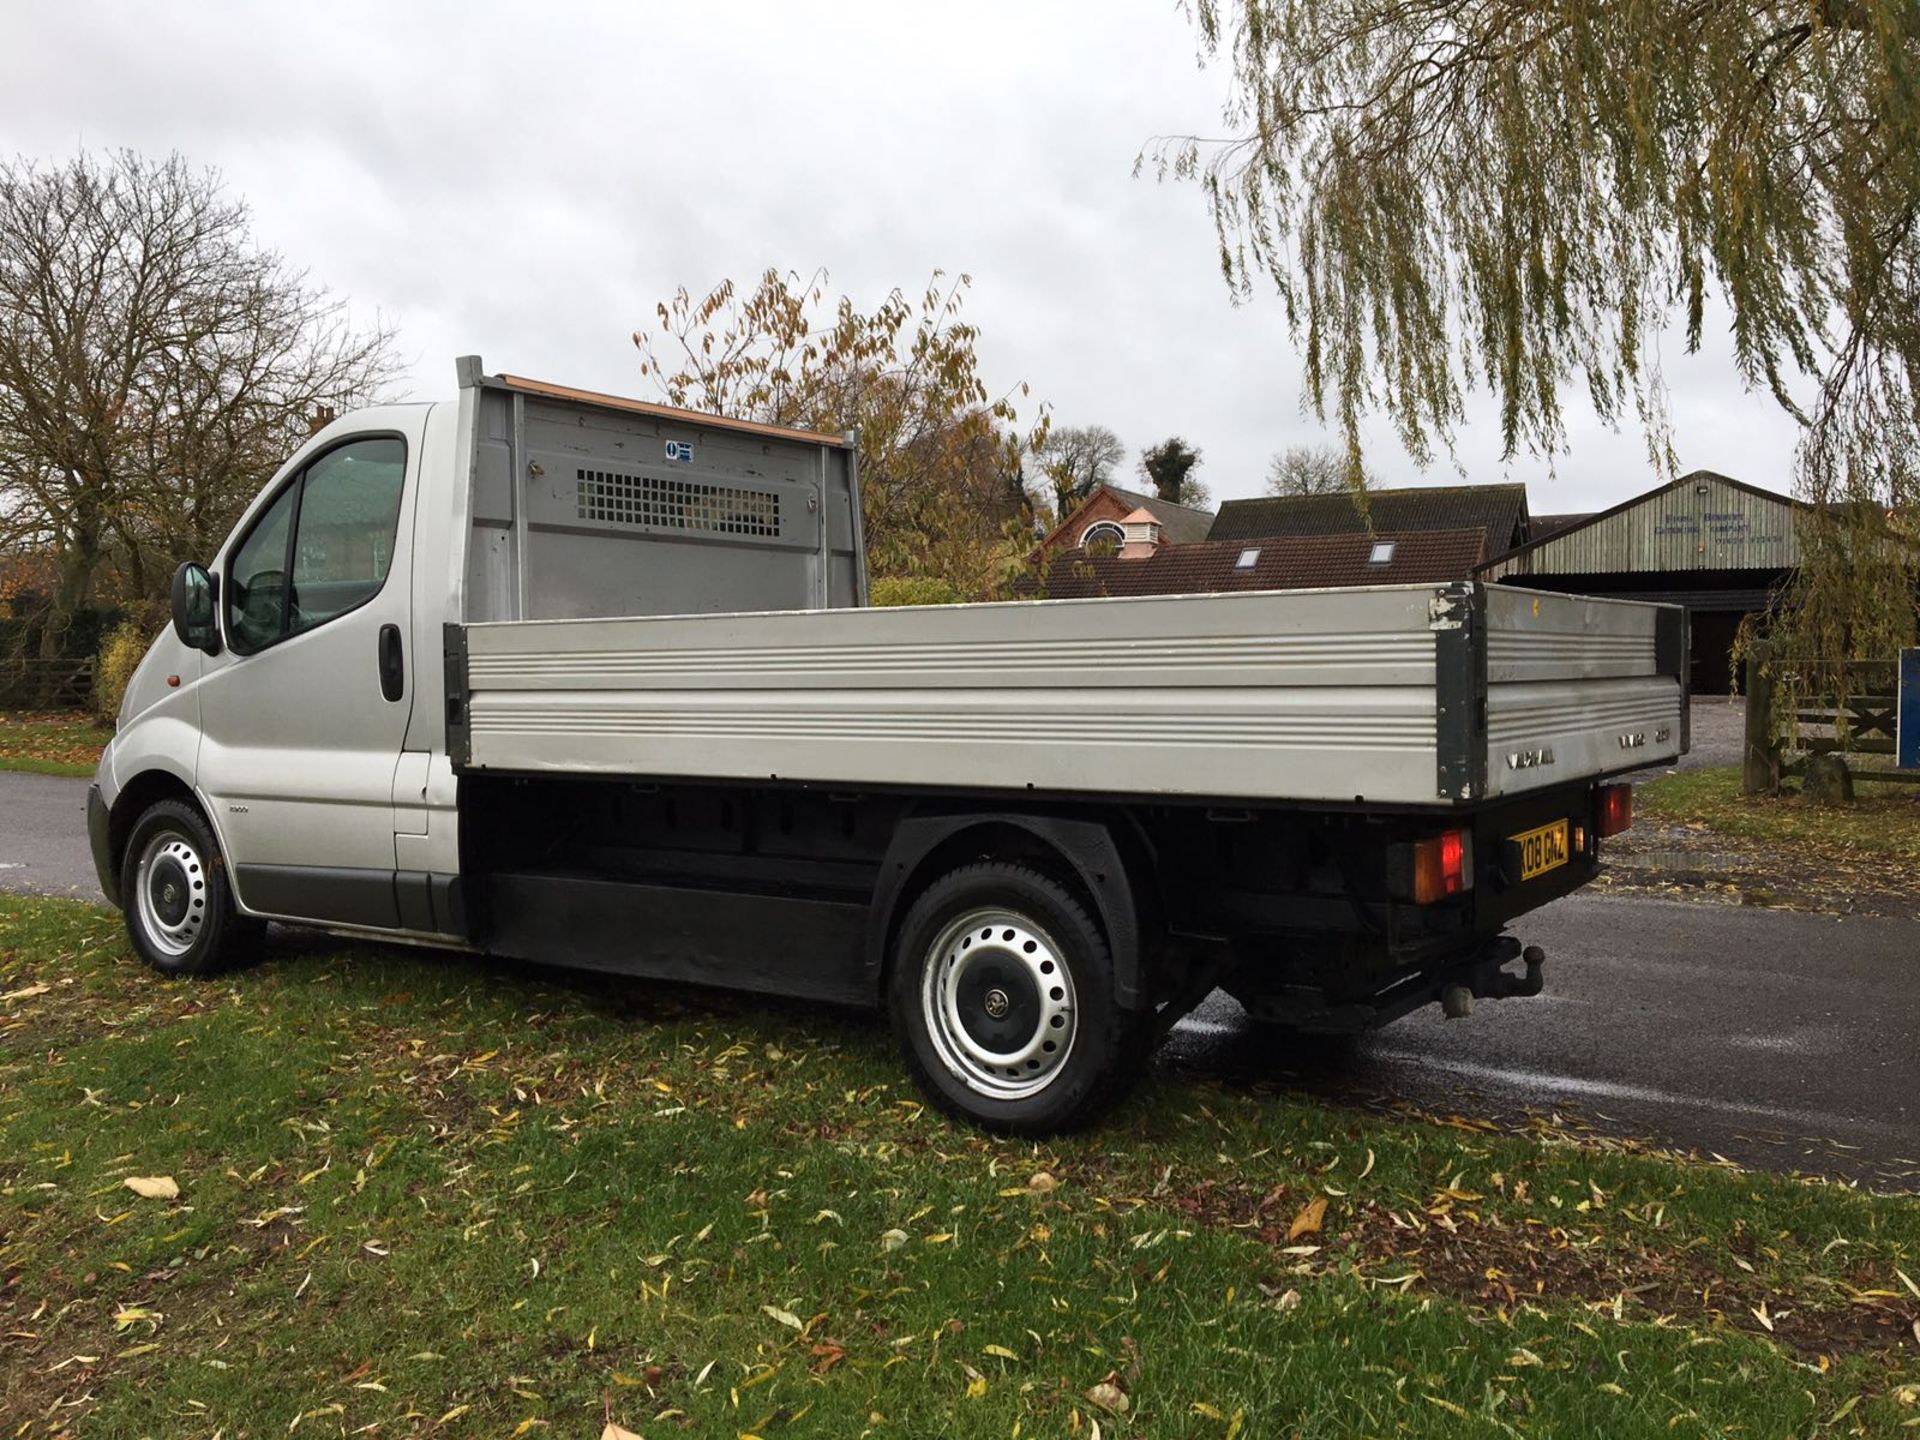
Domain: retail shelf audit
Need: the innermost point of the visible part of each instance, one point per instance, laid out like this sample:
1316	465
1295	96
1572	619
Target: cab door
304	713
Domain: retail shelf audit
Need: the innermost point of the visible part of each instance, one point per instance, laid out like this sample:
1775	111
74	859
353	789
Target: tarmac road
43	836
1777	1039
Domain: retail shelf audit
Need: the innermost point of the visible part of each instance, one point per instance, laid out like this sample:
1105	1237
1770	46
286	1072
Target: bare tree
1309	470
1075	460
156	365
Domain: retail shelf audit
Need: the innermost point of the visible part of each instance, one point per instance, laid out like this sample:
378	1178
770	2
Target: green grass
51	744
441	1196
1883	821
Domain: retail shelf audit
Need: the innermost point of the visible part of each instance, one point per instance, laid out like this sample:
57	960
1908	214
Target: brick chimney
1143	535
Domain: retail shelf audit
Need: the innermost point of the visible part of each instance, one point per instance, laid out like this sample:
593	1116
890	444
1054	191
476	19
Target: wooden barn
1716	545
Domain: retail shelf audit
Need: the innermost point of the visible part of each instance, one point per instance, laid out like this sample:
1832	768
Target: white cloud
526	182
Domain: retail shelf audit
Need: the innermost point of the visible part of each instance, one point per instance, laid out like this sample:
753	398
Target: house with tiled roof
1499	510
1144	566
1293	542
1099	522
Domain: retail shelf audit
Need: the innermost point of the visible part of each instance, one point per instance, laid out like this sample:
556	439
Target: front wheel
179	907
1001	993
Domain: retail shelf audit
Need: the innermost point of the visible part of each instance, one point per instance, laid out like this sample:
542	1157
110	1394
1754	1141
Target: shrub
120	655
913	590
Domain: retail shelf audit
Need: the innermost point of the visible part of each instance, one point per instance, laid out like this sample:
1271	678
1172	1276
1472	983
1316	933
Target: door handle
393	670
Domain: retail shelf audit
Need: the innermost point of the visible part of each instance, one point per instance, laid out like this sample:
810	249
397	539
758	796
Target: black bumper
100	841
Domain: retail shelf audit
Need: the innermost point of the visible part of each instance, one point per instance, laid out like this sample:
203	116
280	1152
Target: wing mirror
196	599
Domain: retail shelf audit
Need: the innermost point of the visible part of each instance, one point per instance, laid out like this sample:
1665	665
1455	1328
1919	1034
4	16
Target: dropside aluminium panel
1391	696
1324	695
1578	686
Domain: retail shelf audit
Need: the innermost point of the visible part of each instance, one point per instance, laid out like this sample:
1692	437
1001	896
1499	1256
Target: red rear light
1442	866
1615	810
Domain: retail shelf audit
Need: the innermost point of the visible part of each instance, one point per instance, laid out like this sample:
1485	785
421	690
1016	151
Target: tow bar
1491	982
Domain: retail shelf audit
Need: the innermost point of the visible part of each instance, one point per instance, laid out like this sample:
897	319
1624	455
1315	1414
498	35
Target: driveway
1717	729
1717	734
1776	1039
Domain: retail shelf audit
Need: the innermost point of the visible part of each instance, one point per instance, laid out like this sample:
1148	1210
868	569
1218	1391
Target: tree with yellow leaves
941	454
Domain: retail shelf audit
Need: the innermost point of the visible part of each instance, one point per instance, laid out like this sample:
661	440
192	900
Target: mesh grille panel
659	502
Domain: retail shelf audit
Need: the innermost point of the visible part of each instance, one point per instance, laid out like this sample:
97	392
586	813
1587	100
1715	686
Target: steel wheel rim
998	1002
170	889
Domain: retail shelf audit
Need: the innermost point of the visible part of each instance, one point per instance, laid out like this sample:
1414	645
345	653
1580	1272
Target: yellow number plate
1542	850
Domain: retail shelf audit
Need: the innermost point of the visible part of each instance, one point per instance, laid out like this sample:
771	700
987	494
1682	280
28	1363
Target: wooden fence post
1760	762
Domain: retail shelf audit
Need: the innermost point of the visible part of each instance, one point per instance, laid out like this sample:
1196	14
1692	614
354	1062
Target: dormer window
1103	537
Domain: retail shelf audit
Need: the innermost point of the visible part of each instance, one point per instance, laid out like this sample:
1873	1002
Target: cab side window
322	548
257	584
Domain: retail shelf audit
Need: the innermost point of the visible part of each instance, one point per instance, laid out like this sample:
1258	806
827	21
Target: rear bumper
1478	973
99	840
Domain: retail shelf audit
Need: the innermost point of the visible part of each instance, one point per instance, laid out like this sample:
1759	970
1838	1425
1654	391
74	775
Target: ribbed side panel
1307	695
1587	728
1303	695
1042	720
1546	655
1092	662
1595	705
1323	743
1533	637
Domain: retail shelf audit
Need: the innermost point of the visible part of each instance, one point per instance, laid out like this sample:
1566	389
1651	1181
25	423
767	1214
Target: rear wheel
179	907
1001	993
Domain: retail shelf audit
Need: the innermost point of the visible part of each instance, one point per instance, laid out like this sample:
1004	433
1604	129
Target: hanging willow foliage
1526	194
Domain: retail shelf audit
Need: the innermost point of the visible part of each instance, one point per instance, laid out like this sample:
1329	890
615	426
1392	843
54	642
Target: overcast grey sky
526	181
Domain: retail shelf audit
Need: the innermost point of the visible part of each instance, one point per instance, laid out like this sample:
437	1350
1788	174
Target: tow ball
1491	982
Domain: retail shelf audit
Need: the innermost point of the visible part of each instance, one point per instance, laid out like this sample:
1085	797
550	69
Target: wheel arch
1104	860
142	791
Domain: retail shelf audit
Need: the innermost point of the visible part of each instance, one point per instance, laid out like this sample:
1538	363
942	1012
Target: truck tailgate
1578	686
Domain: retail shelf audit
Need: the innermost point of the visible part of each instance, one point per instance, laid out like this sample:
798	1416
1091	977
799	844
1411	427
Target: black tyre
179	907
1001	993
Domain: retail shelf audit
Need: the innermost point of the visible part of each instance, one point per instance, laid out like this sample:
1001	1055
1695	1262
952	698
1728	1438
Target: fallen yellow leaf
1307	1222
153	1187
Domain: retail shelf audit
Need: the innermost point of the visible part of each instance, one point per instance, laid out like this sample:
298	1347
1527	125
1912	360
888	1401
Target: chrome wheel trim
170	892
1004	972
